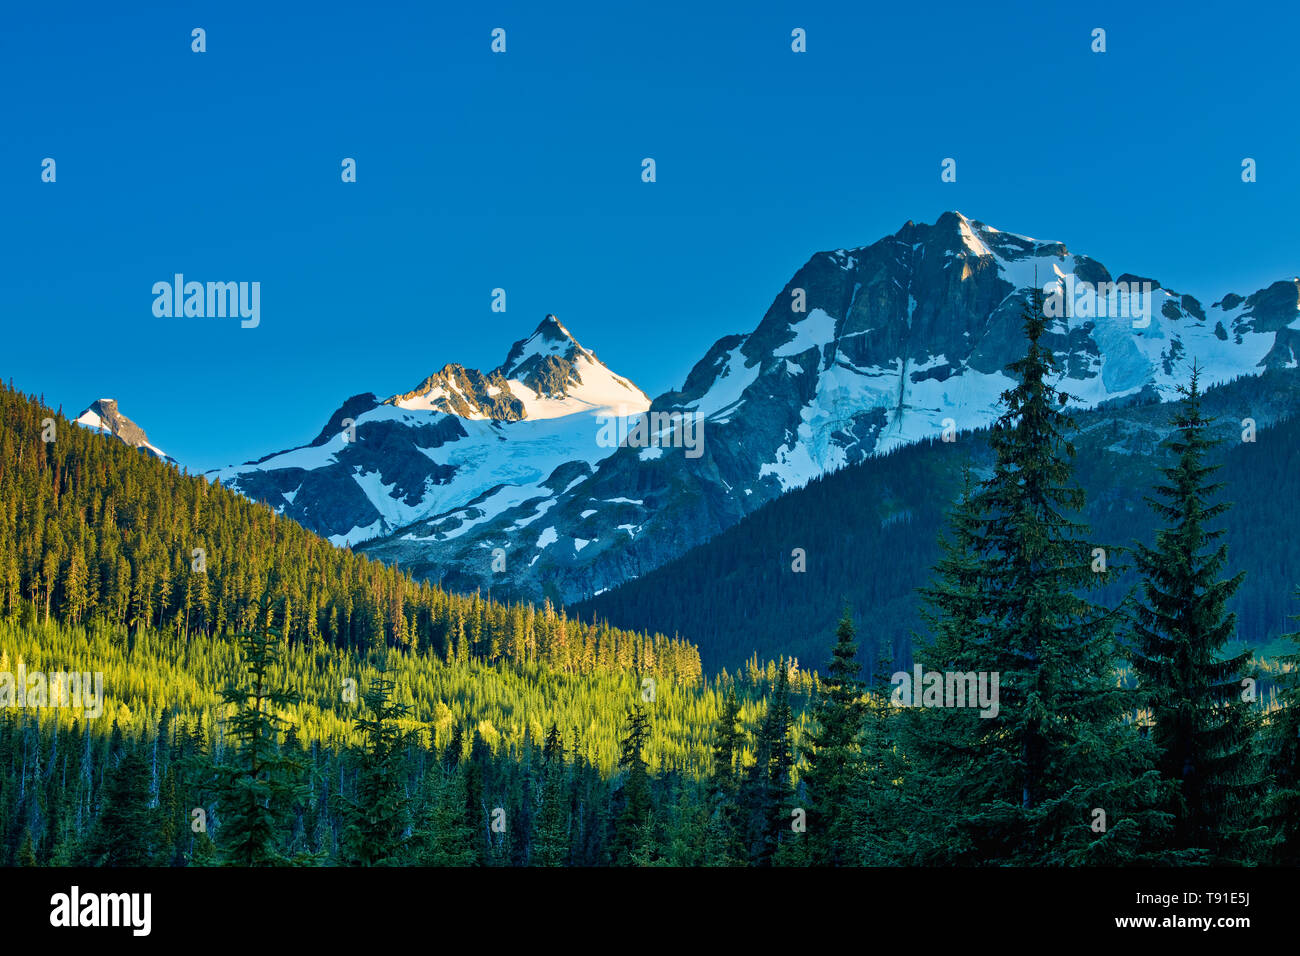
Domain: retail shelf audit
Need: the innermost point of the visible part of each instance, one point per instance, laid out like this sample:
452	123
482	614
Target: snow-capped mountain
864	350
462	445
104	417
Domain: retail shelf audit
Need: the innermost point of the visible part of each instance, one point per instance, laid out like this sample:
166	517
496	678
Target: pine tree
788	846
834	754
256	793
124	830
446	835
878	816
1201	726
725	838
476	815
377	818
939	740
629	826
551	847
1022	787
767	795
687	838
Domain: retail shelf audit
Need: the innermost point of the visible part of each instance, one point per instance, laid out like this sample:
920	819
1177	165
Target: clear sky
522	171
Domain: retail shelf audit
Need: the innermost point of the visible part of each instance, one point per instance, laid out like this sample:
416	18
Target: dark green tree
634	796
767	794
26	851
725	835
377	818
1056	776
1202	727
446	836
551	847
124	832
834	753
256	792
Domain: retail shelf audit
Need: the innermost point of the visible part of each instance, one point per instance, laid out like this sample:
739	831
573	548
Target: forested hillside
99	574
92	530
868	533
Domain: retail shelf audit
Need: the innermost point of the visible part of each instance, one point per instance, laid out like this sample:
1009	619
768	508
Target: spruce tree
124	831
377	818
940	740
256	792
477	815
768	791
447	835
881	819
26	853
629	826
725	838
552	842
1201	726
834	753
1027	785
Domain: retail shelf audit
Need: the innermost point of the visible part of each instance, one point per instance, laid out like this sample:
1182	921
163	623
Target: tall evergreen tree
124	832
834	753
940	740
880	818
1199	721
768	790
447	835
377	818
257	791
1025	786
552	841
629	835
725	836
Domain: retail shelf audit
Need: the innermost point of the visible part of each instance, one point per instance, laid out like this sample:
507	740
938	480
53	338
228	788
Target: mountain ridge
863	350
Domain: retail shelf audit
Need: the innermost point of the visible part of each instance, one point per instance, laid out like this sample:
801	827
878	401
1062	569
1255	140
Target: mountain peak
550	338
103	416
553	366
551	327
547	375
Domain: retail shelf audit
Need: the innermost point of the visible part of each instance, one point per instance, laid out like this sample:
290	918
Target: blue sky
522	171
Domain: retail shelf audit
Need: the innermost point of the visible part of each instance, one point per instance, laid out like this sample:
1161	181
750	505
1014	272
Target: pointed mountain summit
459	447
547	375
104	417
549	340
